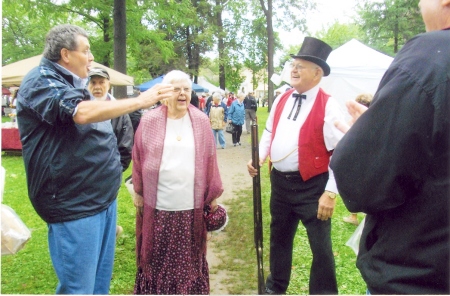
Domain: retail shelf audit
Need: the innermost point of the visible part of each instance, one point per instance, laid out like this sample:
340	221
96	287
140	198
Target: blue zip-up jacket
236	113
73	171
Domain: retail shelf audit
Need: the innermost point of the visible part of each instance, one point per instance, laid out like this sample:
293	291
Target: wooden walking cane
257	209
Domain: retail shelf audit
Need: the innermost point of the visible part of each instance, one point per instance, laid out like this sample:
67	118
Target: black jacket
250	103
123	129
393	164
73	171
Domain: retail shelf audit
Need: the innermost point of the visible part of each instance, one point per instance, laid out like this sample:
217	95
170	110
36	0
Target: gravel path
233	171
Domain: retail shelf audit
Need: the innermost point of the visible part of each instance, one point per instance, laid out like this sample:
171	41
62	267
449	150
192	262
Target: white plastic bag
15	233
353	241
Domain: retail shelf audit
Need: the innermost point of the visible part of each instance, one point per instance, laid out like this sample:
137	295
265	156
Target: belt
287	175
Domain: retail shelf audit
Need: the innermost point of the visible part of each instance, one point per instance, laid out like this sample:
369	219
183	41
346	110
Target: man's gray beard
101	98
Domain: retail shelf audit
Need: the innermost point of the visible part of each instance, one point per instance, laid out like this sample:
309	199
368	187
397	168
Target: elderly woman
175	176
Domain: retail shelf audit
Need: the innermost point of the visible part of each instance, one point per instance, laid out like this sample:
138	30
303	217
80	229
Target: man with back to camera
399	152
71	159
303	187
250	106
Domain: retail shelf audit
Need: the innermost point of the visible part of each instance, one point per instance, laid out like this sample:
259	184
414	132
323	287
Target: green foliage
388	24
338	34
255	49
30	271
234	79
291	13
24	26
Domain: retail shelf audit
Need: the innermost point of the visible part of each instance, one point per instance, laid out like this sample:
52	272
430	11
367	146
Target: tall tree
254	49
270	46
218	10
120	43
227	25
284	14
388	24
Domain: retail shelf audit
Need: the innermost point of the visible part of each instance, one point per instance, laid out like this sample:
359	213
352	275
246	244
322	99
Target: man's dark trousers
293	200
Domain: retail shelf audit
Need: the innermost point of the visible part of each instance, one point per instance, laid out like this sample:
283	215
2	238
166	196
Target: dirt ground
233	171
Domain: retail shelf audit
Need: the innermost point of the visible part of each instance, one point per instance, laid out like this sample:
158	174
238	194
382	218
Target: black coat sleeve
123	129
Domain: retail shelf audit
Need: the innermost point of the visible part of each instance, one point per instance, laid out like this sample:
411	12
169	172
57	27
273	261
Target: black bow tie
298	98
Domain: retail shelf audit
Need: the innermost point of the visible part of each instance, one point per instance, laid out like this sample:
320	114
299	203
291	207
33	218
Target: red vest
313	156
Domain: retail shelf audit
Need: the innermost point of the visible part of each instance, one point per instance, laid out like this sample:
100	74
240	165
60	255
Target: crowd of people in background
391	164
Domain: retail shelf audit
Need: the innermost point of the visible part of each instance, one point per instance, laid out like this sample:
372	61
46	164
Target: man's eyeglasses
179	89
297	67
86	52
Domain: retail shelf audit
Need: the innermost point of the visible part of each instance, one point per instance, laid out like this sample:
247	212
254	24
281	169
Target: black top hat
316	51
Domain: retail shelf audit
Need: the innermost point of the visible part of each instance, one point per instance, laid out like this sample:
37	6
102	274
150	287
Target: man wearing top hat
299	138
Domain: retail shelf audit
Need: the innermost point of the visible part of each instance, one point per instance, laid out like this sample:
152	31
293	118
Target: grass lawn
240	252
30	270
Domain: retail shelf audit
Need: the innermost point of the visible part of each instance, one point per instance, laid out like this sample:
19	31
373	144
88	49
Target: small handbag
229	128
215	221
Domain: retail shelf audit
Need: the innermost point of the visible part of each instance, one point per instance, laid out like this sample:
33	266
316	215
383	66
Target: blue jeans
221	137
82	252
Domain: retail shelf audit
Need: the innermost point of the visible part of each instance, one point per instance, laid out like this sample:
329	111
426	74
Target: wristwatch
330	194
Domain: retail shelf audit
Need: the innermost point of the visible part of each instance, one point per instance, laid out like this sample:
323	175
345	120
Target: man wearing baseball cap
99	86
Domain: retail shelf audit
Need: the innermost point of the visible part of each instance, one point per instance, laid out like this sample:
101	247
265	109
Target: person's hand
355	110
138	201
155	94
326	207
213	205
252	171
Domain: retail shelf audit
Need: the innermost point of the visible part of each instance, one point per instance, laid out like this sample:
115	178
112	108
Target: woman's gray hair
177	76
217	95
59	37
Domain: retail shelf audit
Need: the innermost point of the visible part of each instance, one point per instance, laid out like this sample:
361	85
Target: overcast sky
327	12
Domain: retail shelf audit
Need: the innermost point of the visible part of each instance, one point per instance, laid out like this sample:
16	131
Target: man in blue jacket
72	161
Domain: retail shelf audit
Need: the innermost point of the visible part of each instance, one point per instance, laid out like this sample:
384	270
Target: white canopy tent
211	87
355	69
13	74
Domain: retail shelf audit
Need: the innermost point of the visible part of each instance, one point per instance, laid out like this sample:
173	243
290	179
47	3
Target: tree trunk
196	59
120	44
270	49
106	38
189	43
220	44
396	32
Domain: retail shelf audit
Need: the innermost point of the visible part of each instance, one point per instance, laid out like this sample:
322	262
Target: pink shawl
147	155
